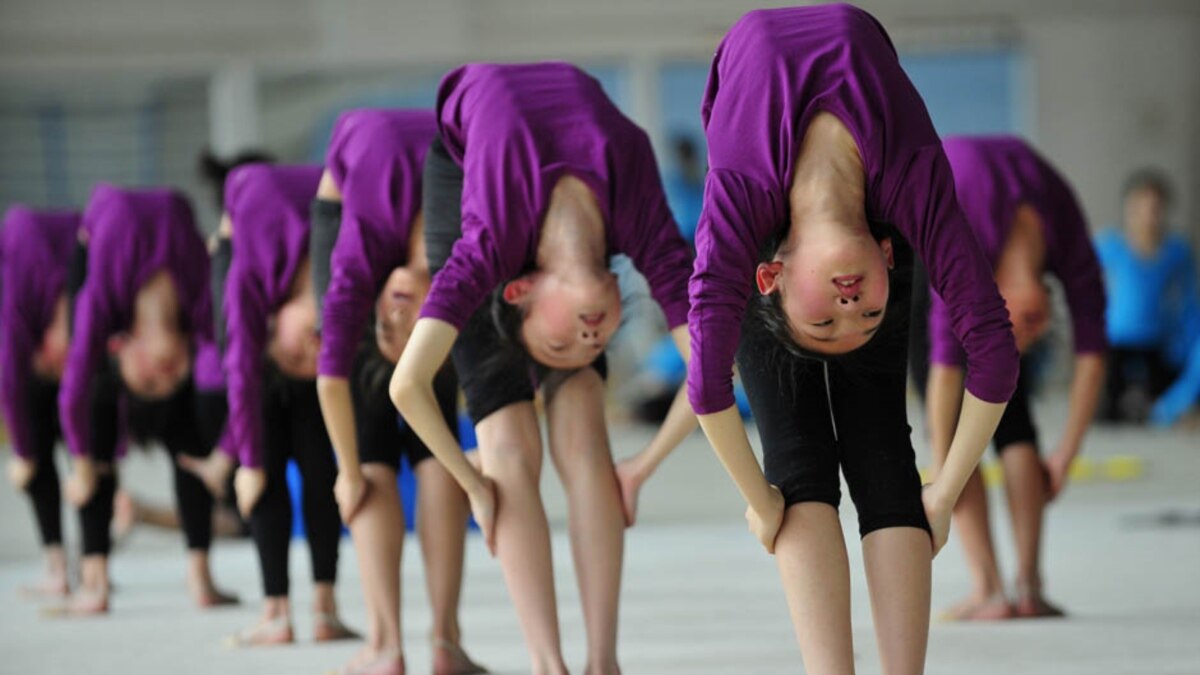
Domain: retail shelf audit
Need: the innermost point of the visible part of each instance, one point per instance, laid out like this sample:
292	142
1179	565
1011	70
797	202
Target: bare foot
974	608
49	587
80	605
328	628
275	631
450	659
211	596
1034	606
372	661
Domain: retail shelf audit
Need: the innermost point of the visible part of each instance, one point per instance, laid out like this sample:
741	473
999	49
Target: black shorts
815	415
383	436
493	373
1016	425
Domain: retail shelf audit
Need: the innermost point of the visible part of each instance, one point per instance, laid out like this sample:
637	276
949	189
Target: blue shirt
1146	296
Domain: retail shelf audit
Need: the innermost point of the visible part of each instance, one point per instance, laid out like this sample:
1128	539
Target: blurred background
130	90
134	91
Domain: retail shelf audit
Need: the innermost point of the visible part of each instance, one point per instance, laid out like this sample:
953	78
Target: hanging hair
214	171
1149	178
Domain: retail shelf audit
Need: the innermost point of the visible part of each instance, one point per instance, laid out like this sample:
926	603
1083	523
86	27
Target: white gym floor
1122	556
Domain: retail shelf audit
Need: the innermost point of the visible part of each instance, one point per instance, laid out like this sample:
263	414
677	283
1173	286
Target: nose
848	301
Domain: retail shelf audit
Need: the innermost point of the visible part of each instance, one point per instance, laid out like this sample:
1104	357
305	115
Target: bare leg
442	511
511	452
378	535
811	554
987	600
200	582
579	447
899	561
1025	485
54	583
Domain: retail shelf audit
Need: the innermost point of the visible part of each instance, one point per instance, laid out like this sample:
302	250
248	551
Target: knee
511	463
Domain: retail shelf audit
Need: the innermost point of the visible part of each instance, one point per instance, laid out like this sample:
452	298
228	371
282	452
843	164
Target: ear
117	342
517	290
767	276
886	245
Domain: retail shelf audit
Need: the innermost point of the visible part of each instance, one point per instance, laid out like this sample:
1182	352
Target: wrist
940	495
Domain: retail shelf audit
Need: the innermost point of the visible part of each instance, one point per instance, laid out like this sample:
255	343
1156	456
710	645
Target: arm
337	408
411	389
727	435
943	401
633	472
1086	383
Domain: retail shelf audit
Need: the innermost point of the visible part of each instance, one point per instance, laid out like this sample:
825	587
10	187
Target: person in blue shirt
1150	275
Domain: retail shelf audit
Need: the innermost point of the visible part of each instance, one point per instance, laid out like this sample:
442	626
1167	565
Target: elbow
402	390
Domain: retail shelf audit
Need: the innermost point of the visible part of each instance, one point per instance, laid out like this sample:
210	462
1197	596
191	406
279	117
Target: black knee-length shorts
818	414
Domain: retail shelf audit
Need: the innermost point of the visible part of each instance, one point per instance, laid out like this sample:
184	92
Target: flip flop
390	662
993	608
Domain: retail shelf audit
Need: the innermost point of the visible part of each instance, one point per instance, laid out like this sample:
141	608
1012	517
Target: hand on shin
20	472
350	490
81	484
937	512
484	504
249	484
765	524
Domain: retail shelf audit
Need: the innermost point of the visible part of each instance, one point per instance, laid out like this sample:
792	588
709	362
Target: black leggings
45	494
1129	367
95	516
816	414
293	428
177	423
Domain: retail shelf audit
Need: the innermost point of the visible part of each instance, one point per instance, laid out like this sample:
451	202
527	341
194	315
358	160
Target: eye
556	348
823	324
873	314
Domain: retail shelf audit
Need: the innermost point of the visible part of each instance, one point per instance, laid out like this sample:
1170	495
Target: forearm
976	426
411	390
679	423
727	434
337	408
943	401
1086	384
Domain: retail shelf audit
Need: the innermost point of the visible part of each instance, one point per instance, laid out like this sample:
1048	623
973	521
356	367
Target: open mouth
592	320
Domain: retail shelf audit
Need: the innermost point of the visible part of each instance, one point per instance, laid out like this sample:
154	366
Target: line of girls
470	247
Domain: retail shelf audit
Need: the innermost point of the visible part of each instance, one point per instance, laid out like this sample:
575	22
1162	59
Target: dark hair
214	170
685	148
874	355
1148	178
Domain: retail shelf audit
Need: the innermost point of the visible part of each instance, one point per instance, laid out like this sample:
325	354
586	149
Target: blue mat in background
406	481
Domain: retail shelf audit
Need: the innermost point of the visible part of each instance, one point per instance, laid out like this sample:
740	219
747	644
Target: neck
156	304
417	261
572	242
302	285
829	184
1024	253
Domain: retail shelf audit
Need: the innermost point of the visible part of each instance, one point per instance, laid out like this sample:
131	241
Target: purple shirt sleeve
376	157
959	273
268	206
35	250
737	216
652	239
95	319
1078	269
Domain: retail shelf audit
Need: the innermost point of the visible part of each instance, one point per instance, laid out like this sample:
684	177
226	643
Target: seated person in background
1151	280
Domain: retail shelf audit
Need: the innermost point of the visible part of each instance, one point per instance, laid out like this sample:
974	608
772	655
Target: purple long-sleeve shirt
773	72
35	253
993	176
376	159
268	206
132	235
516	130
